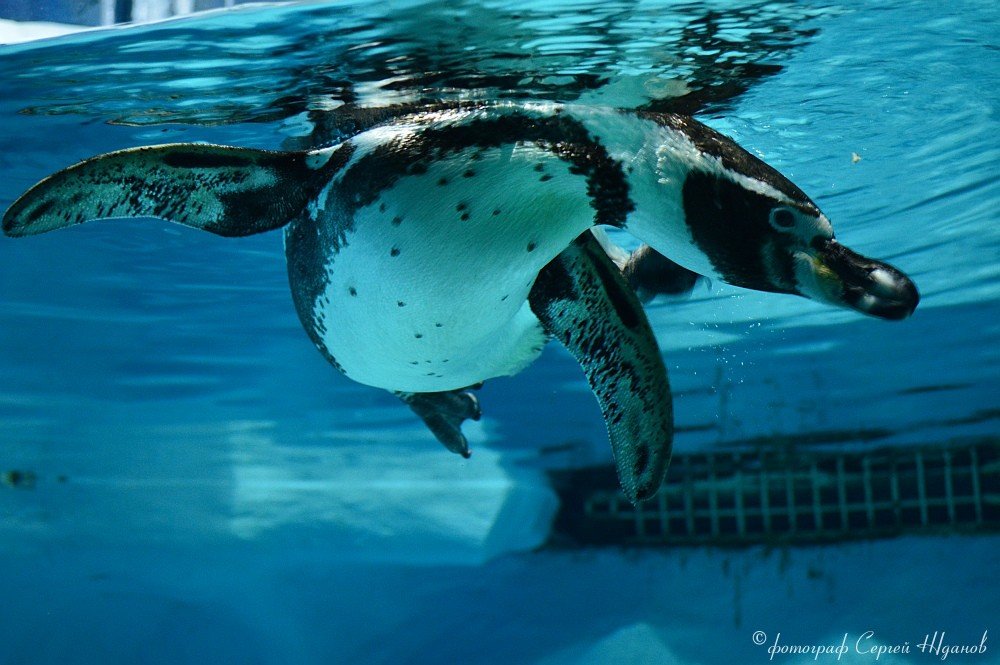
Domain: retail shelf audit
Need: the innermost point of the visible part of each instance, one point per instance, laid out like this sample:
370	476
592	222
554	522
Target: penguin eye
782	219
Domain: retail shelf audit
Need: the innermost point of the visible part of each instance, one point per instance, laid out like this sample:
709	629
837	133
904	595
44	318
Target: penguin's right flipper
583	301
444	413
648	272
224	190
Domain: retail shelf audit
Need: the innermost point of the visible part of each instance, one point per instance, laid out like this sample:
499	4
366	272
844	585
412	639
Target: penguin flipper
444	413
224	190
583	301
650	273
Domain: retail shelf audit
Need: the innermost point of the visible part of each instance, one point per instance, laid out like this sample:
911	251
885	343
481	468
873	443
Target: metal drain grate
743	497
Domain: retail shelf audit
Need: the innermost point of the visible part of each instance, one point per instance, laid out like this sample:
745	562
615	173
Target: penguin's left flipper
221	189
444	413
584	302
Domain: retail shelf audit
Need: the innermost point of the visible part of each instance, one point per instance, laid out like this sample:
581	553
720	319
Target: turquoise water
205	486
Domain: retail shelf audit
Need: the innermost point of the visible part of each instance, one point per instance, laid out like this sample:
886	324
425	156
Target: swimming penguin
437	247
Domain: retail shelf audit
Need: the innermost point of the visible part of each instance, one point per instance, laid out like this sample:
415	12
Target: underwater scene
188	478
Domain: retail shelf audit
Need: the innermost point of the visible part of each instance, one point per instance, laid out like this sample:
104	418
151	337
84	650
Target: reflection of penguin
444	246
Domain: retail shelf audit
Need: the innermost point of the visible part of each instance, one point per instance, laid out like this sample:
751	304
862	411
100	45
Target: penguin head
774	238
754	228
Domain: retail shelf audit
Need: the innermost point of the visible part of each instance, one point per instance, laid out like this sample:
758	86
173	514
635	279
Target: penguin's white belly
429	291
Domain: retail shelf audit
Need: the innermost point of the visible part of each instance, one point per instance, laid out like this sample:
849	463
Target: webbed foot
444	413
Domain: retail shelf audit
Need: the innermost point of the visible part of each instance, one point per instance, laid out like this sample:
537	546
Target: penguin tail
220	189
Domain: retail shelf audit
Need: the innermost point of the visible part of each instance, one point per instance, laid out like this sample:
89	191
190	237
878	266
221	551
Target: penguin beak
837	275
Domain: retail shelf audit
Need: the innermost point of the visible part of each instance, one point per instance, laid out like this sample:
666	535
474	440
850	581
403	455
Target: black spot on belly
353	291
418	335
540	166
532	246
469	174
397	220
545	178
400	303
496	213
381	207
394	251
442	182
460	207
438	325
464	217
